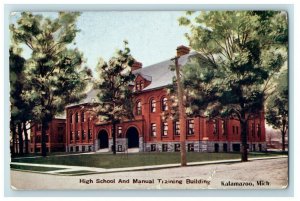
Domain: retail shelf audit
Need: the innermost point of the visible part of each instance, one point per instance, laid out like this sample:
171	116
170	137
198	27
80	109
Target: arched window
215	127
139	108
71	118
164	104
82	117
76	117
152	105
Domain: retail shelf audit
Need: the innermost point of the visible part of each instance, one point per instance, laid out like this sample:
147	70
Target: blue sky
152	36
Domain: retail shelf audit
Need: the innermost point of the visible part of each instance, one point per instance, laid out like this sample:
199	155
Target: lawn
108	160
33	168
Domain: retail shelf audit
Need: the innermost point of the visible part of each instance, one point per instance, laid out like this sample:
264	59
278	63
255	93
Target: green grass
132	160
33	168
79	172
39	154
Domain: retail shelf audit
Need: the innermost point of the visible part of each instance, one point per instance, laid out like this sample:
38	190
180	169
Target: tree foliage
242	51
53	74
114	85
277	107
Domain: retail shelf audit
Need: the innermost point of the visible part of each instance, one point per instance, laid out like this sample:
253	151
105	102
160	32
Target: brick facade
148	131
56	137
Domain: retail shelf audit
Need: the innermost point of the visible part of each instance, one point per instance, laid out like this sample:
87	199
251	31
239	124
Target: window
153	147
176	128
83	148
191	128
153	105
119	131
215	127
71	149
177	147
164	104
77	148
137	86
153	130
39	127
253	129
223	127
138	108
89	134
164	147
82	135
38	139
71	118
191	147
233	129
77	135
76	117
71	135
258	129
237	130
82	117
165	129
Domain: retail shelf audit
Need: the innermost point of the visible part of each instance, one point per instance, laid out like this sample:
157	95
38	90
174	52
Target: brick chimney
182	50
136	65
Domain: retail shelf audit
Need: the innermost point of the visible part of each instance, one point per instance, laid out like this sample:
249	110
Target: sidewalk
81	170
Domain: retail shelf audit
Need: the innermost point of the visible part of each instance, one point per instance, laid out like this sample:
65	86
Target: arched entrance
132	136
102	139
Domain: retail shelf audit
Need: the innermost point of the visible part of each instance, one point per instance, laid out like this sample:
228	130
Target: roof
91	97
160	75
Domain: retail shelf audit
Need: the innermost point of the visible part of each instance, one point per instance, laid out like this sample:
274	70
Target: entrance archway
102	139
132	136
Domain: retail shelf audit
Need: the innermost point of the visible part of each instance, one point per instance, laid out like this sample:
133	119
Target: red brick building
149	131
56	137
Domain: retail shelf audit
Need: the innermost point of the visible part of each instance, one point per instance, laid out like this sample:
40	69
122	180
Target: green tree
115	93
241	52
277	107
54	72
19	112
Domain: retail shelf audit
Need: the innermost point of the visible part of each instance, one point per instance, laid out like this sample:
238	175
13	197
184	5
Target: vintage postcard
149	100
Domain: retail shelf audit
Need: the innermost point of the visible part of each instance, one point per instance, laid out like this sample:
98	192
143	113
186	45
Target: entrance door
103	139
132	136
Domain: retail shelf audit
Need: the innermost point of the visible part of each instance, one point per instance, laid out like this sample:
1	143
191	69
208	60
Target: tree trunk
20	135
44	136
114	137
26	138
14	134
182	116
283	140
244	150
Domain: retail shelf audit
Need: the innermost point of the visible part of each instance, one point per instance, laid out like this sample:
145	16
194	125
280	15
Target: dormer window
139	85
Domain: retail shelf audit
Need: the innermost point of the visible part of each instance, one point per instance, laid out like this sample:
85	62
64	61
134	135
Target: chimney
136	65
182	50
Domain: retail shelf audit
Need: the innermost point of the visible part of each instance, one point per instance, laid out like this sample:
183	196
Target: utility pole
182	115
